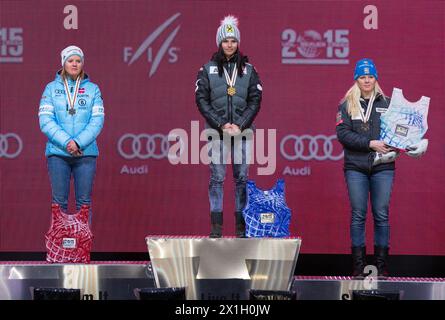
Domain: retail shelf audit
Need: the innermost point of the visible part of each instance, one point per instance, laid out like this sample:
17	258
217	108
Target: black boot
240	229
381	256
358	261
216	219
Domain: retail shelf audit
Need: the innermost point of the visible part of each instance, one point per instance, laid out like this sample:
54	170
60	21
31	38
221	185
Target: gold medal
231	91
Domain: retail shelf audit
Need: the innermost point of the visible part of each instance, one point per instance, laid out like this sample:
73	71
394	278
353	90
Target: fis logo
155	58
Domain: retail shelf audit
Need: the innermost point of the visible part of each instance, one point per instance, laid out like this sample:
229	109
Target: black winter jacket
217	114
355	138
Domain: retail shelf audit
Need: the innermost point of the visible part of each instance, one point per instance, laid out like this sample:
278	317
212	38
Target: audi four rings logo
144	146
6	141
307	147
292	147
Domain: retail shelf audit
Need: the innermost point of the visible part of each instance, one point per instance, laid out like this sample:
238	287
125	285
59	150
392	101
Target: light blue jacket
60	127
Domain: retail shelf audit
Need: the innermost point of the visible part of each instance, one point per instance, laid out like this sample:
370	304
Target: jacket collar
232	58
58	78
377	97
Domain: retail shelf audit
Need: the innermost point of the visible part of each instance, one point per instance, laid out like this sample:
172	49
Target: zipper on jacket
229	98
230	110
72	116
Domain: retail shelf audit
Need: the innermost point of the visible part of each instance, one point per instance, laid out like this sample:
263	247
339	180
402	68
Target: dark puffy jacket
219	108
355	139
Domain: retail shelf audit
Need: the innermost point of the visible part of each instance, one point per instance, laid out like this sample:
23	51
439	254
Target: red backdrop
304	51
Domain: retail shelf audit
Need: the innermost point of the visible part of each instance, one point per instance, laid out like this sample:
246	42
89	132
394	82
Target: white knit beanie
228	29
71	51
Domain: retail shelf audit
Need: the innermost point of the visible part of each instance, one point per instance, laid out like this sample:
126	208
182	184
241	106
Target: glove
385	158
418	149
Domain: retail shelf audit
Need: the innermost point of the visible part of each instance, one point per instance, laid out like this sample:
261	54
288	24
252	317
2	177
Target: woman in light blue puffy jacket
71	115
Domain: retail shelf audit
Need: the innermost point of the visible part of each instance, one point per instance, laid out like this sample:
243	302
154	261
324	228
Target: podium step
117	280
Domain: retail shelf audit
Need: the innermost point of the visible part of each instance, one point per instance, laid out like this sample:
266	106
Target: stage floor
117	280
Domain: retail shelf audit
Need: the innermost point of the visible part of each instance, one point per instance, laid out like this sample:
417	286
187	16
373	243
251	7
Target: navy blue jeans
83	170
239	158
378	187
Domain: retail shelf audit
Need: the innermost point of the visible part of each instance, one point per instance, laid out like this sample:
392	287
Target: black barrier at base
160	293
55	294
375	295
272	295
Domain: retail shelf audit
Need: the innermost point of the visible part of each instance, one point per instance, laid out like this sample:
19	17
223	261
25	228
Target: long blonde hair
352	97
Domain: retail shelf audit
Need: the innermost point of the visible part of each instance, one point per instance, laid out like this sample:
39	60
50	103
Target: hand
418	149
379	146
73	149
385	158
235	130
226	126
231	129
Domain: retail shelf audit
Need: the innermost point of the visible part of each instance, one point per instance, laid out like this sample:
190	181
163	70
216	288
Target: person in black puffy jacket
228	95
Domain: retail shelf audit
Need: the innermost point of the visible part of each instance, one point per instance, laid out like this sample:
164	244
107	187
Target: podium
223	268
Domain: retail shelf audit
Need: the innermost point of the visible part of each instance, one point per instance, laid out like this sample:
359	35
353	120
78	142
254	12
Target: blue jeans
83	170
240	158
360	186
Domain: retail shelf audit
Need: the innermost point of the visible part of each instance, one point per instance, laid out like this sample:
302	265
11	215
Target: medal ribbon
231	81
71	100
365	117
